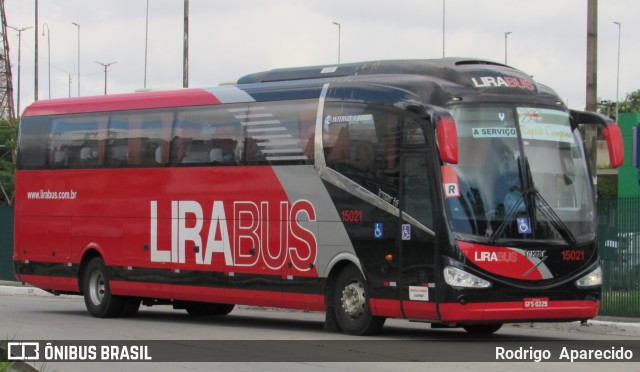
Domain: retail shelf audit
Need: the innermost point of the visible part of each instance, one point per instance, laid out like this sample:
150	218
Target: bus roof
464	77
444	68
460	77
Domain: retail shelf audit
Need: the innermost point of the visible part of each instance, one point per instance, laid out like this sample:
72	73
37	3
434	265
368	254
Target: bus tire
482	329
97	293
352	307
130	307
208	309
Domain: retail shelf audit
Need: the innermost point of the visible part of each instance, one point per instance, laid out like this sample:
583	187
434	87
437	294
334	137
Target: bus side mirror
447	136
614	143
610	131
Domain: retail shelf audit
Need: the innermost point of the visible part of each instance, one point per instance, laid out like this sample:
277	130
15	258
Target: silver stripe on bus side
282	151
260	130
318	147
346	184
230	94
291	157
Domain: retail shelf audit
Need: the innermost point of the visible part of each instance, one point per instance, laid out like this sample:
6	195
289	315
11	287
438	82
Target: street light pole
35	74
443	23
78	26
339	38
146	42
185	47
105	65
505	46
618	73
19	54
48	52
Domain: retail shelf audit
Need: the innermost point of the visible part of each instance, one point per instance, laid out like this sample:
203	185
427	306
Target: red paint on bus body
127	101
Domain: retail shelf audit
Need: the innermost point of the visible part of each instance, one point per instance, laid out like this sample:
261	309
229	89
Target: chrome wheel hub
96	287
353	300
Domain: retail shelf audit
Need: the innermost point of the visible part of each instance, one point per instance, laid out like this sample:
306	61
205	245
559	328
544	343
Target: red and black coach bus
450	191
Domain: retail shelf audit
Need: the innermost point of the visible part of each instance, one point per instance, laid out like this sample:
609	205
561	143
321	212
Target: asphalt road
261	339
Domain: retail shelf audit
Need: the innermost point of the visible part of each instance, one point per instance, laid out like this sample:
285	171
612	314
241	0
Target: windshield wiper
554	219
544	208
509	216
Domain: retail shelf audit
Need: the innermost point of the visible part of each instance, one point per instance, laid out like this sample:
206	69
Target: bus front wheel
97	293
352	304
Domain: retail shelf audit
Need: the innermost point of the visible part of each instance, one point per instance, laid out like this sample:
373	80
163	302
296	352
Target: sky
229	39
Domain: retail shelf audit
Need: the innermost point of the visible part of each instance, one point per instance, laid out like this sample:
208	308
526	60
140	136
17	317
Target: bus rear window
33	141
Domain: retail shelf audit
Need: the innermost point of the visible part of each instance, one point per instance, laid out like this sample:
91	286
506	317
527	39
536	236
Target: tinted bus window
139	139
417	189
77	142
34	134
279	132
210	136
361	142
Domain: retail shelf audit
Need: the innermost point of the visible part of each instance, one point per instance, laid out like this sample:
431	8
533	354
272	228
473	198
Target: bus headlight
459	278
592	279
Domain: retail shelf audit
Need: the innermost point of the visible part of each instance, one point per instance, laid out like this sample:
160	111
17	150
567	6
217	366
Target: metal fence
6	243
619	234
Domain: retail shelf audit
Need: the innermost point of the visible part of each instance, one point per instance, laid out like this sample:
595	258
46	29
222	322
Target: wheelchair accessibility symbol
378	230
524	227
406	231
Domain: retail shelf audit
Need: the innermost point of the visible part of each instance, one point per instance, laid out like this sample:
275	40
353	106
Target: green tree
8	142
631	103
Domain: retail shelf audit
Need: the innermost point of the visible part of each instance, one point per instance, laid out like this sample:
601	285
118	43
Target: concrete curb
608	327
22	291
593	326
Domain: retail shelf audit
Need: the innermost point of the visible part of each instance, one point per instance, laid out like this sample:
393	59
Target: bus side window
116	152
78	141
35	152
148	135
203	137
280	132
416	189
361	142
336	143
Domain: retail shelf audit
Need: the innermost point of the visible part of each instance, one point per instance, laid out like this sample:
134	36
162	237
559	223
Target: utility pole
105	65
48	52
78	26
443	23
618	73
35	63
185	51
19	54
591	131
146	44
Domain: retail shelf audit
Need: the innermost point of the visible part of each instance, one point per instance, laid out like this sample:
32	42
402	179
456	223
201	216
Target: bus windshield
522	175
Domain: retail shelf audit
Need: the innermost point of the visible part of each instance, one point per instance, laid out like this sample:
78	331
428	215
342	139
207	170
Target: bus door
417	238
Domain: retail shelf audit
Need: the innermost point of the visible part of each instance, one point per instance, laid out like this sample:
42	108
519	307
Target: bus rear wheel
352	308
130	307
482	329
97	293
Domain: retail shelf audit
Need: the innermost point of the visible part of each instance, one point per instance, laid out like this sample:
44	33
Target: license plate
534	303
